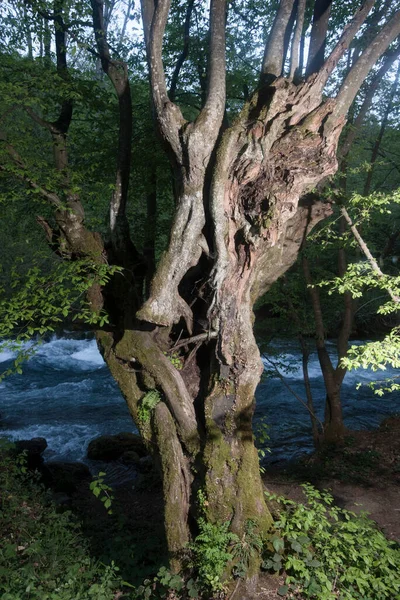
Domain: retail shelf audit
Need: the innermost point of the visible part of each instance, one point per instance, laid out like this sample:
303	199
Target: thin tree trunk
333	422
305	355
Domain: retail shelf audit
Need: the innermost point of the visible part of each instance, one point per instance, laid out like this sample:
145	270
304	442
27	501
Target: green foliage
261	437
102	491
211	553
377	355
359	277
147	405
247	548
43	555
162	584
328	552
175	360
211	549
40	301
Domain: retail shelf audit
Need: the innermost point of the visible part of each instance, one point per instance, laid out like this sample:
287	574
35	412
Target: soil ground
363	474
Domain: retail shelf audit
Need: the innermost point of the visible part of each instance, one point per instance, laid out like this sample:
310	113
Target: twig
367	253
195	338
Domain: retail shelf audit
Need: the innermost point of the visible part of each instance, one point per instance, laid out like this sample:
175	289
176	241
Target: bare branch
126	19
364	63
201	337
274	49
291	390
294	53
378	141
344	42
363	246
371	91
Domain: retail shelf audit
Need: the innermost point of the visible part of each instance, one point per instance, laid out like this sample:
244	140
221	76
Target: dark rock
34	449
145	464
61	499
65	477
112	447
130	458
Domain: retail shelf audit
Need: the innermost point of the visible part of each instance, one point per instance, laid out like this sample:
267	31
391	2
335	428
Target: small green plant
162	585
176	360
245	549
147	405
102	491
330	553
211	549
261	437
211	553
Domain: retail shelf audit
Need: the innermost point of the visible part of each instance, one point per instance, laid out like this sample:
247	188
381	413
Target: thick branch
364	63
176	483
118	75
344	42
214	107
274	49
316	52
139	345
168	115
64	120
294	53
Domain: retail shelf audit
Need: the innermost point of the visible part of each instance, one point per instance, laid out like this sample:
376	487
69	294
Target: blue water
67	395
289	421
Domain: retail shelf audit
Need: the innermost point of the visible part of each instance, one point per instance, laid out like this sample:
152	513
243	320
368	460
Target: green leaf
278	544
283	590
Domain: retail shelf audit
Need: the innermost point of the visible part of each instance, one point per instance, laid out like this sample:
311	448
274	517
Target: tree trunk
333	422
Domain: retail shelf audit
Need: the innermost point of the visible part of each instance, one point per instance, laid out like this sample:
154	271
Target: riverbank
363	475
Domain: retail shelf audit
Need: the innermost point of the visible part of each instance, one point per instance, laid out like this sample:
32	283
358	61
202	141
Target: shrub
330	553
43	555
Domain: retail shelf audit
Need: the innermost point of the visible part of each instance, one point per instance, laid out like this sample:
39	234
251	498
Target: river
67	395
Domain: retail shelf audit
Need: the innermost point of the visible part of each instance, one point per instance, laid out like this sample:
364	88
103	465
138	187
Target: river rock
66	477
34	449
112	447
145	464
130	457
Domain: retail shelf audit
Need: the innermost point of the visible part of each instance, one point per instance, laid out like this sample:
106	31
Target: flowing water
67	395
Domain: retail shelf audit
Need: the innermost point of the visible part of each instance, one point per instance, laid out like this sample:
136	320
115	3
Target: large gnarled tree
243	208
